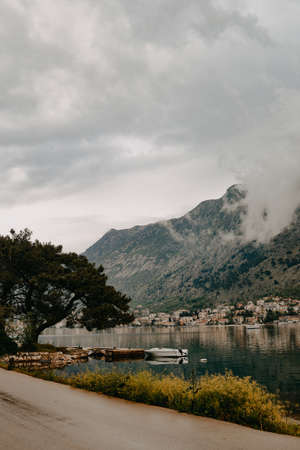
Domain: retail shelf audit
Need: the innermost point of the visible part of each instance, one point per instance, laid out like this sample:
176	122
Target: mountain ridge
199	257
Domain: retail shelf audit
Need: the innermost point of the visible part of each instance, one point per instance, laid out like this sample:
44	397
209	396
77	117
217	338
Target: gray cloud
173	23
95	93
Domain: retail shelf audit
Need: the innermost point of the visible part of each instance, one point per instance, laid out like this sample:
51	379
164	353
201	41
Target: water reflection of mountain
271	355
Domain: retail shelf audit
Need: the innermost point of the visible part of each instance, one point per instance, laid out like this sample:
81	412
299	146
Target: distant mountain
199	258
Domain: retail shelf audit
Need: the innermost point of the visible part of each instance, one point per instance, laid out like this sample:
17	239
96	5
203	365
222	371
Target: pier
117	353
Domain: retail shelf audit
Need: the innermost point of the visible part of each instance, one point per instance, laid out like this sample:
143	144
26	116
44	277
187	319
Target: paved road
40	415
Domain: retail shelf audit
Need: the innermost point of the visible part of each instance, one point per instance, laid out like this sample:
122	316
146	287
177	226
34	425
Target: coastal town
266	310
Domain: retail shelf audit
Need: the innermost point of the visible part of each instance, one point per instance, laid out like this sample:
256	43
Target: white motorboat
253	326
166	352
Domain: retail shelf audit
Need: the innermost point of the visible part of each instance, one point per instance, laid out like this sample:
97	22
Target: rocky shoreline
69	355
41	360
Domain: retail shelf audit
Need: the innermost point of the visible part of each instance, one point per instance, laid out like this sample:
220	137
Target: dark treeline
40	285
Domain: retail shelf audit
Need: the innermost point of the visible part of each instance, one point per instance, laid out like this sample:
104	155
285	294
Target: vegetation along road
37	414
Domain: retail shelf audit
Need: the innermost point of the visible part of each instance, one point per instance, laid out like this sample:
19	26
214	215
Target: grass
223	397
40	348
30	348
35	347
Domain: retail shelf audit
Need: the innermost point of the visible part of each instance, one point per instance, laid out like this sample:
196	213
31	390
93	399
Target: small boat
166	352
203	360
253	326
162	361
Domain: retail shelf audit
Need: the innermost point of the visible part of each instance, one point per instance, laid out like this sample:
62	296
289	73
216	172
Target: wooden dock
124	353
113	354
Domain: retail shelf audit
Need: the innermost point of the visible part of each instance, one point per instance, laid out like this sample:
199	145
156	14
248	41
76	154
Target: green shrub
239	400
35	347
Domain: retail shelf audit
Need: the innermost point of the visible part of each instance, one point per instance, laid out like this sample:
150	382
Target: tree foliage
7	345
41	286
271	316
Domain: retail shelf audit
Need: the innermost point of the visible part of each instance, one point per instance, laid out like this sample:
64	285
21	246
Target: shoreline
188	325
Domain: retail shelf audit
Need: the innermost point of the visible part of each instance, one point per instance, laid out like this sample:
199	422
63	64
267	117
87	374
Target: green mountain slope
200	257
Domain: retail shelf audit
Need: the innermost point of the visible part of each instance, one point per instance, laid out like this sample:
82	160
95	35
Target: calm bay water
270	355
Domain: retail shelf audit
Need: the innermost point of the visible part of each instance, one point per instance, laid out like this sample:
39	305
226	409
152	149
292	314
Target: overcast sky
122	112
